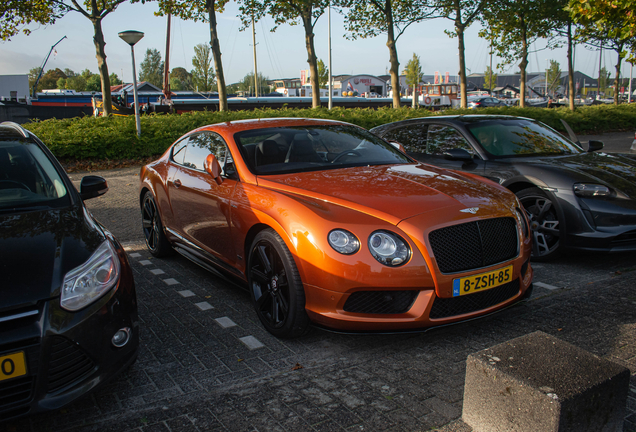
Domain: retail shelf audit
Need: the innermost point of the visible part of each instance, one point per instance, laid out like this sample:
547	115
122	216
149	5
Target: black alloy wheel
275	286
156	240
544	223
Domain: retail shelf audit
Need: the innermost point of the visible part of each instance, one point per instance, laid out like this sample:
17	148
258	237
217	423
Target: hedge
113	138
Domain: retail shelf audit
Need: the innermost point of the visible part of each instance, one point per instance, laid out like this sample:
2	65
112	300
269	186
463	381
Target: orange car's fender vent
449	307
380	302
475	244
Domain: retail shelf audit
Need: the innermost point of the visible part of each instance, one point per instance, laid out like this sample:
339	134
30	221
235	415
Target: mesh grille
474	244
380	302
14	393
67	364
449	307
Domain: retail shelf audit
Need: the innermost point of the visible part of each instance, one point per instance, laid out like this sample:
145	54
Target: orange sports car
328	224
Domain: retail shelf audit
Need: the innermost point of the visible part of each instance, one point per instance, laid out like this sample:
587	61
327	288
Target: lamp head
131	37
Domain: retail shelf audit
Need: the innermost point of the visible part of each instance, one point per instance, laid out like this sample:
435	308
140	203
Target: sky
281	54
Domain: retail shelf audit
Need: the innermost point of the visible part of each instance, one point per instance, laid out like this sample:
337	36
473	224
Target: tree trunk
462	63
571	90
216	53
414	101
618	74
311	57
522	71
98	40
393	57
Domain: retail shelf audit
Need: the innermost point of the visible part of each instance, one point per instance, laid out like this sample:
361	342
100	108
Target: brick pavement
206	364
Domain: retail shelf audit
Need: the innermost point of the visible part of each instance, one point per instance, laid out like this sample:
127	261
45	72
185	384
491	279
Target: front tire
544	223
276	287
156	239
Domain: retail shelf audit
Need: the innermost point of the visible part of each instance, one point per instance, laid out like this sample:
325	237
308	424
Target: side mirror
594	146
397	145
213	168
458	154
93	186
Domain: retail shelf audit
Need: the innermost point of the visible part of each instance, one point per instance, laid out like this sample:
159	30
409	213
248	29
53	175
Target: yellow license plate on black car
12	365
482	282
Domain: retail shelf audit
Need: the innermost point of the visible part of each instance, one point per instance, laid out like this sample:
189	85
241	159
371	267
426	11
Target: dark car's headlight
388	248
344	242
88	282
591	190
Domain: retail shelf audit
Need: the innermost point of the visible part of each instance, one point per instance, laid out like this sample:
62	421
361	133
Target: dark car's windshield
294	149
520	137
28	179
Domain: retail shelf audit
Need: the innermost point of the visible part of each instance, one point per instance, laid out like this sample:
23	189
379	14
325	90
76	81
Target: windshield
28	179
296	149
520	138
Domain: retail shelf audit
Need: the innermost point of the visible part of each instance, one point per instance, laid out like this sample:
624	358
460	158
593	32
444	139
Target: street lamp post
131	37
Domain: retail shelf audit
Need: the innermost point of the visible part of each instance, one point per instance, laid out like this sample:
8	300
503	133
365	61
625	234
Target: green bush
114	138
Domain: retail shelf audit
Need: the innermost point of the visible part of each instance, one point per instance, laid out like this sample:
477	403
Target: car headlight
85	284
591	190
388	248
344	242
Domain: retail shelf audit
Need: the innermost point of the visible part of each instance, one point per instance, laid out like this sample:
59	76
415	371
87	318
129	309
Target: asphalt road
206	363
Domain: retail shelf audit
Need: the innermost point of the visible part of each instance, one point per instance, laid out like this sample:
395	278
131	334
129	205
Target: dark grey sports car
574	198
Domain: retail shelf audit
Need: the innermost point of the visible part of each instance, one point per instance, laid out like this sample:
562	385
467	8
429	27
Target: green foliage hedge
115	137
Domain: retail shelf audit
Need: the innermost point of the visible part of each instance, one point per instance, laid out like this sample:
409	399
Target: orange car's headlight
389	248
344	242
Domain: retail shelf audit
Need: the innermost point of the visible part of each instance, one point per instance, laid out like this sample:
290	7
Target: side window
179	151
196	152
218	148
412	137
441	138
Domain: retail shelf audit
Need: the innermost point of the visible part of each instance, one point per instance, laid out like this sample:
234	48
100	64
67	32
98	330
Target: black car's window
179	151
520	137
28	177
302	148
441	138
412	137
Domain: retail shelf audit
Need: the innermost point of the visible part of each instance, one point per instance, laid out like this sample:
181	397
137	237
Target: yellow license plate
12	365
482	282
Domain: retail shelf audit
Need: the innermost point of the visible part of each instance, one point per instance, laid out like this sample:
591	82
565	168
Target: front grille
627	237
449	307
474	245
68	363
380	302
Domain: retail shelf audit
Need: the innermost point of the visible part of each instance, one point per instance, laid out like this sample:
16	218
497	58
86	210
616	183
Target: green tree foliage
463	13
247	84
86	73
114	79
414	76
33	75
513	26
16	15
370	18
61	83
603	80
152	68
553	76
564	28
50	78
203	73
323	74
93	83
180	79
203	10
490	79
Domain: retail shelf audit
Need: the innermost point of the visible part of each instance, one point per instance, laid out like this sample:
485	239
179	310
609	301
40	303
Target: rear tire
544	223
156	239
276	287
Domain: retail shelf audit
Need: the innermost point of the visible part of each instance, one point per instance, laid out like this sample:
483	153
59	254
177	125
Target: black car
484	102
68	308
574	198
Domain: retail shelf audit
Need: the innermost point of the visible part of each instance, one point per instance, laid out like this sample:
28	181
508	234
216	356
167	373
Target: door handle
177	183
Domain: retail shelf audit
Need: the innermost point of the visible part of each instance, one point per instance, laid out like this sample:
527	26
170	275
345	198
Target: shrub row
115	138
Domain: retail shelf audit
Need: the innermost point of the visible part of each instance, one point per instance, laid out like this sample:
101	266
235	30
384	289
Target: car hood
395	192
38	248
616	170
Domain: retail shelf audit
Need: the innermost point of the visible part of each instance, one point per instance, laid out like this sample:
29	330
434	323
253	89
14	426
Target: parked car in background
68	311
576	199
484	102
327	223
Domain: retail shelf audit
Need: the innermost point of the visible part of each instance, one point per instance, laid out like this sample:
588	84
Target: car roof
459	118
11	130
263	123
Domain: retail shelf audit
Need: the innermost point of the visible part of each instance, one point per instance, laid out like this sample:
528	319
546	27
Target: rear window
28	178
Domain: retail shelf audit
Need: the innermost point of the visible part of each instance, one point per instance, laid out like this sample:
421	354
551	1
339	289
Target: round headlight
343	242
388	248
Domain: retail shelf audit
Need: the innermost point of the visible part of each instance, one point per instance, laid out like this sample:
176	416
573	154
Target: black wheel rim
270	286
150	222
544	224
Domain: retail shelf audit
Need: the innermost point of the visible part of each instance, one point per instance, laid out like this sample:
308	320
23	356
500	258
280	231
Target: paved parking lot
206	364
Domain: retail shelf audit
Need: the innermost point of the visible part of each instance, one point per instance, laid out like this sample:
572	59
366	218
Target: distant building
14	88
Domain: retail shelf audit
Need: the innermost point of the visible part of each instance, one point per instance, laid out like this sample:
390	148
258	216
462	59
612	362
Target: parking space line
225	322
204	306
251	342
546	286
157	271
186	293
145	262
172	281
